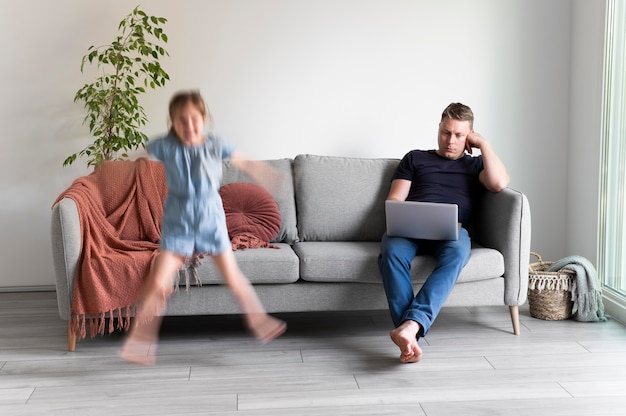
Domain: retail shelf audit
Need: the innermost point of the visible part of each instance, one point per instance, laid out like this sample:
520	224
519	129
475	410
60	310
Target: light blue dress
193	216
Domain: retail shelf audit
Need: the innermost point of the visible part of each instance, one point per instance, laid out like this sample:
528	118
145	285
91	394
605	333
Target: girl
194	222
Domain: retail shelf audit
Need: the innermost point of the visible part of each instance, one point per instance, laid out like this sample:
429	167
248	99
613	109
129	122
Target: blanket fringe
119	319
188	271
245	241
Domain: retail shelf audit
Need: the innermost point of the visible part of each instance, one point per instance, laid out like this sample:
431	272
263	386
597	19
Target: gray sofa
332	222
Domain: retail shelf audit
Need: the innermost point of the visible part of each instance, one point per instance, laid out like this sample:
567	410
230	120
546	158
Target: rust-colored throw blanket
120	206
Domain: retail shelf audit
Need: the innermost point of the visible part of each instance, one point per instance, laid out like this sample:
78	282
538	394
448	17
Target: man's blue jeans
394	261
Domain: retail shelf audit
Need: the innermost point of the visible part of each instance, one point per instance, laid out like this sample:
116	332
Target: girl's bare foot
138	350
405	337
265	328
140	345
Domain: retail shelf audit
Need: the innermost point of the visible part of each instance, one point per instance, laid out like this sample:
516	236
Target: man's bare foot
405	337
138	350
265	328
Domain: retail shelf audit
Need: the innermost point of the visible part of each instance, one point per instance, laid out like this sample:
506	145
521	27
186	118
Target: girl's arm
261	172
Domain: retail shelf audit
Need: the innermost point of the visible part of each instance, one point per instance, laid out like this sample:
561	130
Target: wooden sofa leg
71	338
514	310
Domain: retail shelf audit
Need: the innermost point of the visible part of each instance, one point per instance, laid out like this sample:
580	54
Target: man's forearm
494	176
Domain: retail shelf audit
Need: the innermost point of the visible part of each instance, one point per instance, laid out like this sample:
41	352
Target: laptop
423	220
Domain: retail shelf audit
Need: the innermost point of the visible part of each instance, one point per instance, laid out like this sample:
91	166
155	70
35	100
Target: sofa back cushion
340	198
284	196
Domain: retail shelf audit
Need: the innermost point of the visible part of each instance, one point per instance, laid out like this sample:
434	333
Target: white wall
585	128
336	77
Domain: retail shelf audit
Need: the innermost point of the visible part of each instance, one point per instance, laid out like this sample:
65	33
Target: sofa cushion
340	198
358	262
338	261
260	266
250	212
283	195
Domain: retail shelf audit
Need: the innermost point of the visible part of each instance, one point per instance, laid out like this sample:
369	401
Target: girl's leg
140	344
158	286
264	327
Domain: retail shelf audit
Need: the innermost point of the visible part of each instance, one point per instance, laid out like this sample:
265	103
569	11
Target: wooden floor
329	364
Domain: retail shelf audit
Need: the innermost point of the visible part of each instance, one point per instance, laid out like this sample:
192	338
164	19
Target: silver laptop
423	220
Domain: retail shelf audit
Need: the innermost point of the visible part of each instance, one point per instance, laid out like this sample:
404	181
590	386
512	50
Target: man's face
452	136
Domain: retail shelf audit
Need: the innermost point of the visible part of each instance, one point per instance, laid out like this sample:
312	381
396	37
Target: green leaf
70	159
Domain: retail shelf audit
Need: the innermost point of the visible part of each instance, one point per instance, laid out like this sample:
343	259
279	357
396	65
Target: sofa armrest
66	242
503	223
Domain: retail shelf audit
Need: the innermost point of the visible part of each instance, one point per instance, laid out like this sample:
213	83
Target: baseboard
11	289
614	305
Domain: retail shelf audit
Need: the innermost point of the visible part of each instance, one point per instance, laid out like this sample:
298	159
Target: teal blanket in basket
586	292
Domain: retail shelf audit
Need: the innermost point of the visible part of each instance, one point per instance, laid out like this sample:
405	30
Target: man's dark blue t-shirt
437	179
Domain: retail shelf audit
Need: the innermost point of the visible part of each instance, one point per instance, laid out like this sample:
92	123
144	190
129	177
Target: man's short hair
458	111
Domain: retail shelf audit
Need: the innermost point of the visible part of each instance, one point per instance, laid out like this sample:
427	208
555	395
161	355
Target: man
445	175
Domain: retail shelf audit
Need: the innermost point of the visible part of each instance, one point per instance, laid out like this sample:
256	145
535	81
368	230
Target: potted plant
128	67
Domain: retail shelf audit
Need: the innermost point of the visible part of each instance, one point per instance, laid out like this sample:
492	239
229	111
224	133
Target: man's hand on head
473	140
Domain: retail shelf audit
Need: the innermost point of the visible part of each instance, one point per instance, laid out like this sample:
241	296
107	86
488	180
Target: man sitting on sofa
445	175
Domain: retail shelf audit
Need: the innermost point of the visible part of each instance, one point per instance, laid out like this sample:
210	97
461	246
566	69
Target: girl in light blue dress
194	222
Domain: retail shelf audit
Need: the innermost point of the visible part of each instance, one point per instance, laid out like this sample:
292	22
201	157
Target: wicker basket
549	293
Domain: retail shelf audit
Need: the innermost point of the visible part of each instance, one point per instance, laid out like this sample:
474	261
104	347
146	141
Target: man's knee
397	247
